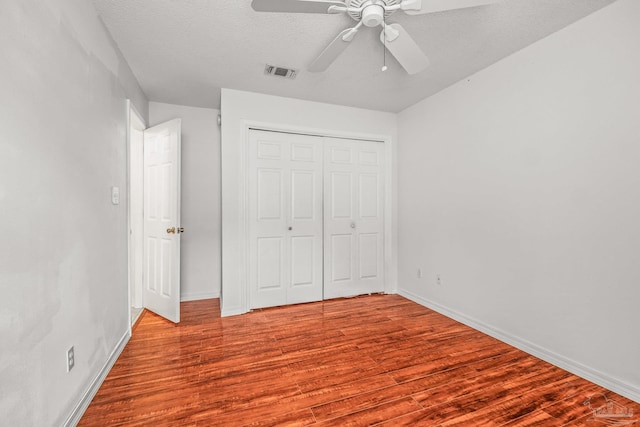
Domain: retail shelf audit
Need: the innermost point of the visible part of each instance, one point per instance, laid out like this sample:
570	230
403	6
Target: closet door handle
353	224
290	228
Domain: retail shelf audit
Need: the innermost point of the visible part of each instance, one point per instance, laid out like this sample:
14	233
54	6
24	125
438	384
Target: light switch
115	195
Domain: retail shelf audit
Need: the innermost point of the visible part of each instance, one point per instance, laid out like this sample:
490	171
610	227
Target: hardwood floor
348	362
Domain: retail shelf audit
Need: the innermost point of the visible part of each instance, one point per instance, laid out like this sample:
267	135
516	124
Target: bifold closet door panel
285	218
353	217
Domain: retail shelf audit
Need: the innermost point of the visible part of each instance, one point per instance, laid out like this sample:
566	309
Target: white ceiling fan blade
431	6
331	52
295	6
404	49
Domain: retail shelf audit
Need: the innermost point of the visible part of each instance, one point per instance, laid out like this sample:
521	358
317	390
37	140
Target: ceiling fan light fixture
373	15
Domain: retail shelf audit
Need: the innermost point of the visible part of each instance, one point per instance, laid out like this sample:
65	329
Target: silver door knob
353	224
290	228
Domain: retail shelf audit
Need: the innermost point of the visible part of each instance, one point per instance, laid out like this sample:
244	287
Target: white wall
519	185
63	252
200	244
239	109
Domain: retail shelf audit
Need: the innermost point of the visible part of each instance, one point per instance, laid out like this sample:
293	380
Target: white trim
243	235
138	315
195	296
94	386
617	386
235	311
128	161
390	282
131	109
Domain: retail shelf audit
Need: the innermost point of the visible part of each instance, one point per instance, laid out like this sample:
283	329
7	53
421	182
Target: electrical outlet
71	360
419	273
438	280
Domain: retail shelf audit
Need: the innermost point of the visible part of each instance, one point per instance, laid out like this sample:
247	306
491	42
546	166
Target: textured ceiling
184	51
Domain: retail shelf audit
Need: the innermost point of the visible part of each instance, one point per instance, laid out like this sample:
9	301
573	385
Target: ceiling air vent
280	71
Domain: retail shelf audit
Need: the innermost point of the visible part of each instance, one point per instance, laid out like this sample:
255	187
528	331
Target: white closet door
285	218
353	217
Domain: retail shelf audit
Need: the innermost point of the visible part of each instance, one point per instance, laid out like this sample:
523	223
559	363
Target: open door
161	290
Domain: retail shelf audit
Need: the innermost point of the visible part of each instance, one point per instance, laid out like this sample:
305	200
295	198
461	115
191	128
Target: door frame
243	208
132	246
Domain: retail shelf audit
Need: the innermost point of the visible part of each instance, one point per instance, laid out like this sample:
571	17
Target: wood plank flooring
374	360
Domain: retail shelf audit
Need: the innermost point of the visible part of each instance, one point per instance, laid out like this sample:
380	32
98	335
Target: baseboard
199	295
93	388
235	311
617	386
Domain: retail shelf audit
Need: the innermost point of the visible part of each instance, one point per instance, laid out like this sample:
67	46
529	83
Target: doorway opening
153	190
135	189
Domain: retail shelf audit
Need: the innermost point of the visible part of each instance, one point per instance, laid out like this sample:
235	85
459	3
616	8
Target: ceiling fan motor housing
373	12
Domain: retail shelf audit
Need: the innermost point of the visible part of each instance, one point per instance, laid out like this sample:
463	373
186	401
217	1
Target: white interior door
353	217
285	218
161	290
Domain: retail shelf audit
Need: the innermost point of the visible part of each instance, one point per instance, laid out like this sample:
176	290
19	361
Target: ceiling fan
370	13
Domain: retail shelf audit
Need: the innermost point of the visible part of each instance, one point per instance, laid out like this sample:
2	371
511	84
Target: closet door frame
390	258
